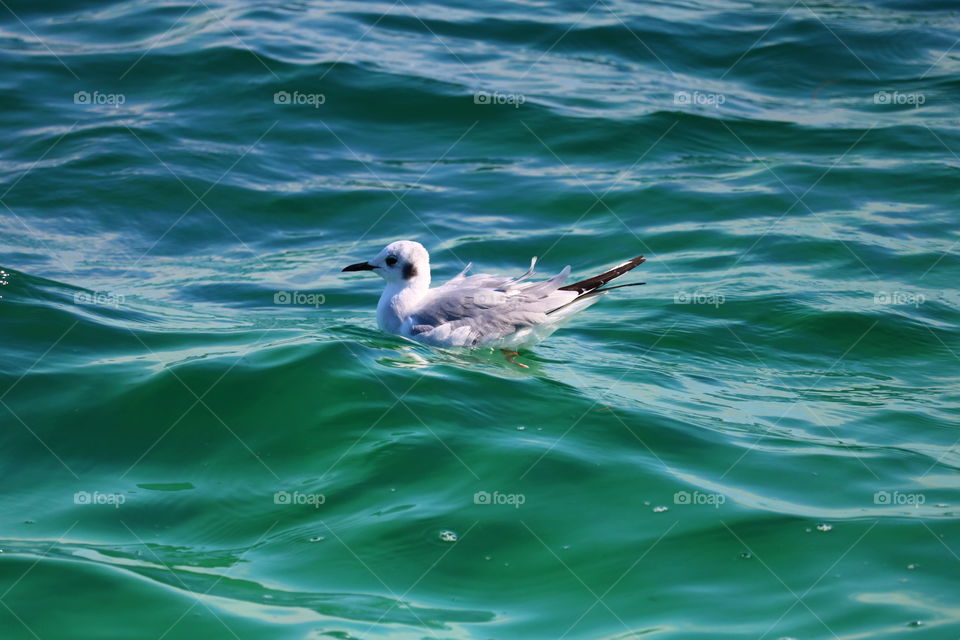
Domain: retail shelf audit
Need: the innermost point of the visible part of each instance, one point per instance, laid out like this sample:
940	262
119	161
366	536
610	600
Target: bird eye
391	260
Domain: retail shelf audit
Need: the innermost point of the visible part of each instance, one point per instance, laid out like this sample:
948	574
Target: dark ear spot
409	271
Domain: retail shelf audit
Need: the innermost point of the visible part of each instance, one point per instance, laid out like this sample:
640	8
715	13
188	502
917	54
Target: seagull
480	310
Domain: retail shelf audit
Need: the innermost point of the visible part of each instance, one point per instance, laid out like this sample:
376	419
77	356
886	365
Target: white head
403	262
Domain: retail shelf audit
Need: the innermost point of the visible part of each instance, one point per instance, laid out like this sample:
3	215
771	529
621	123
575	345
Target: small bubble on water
317	539
521	428
912	566
565	547
392	489
488	557
824	527
449	536
646	503
942	505
915	623
746	555
660	509
808	529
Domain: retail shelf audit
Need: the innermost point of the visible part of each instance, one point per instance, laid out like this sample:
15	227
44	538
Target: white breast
395	306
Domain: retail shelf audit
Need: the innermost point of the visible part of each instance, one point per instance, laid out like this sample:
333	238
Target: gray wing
472	310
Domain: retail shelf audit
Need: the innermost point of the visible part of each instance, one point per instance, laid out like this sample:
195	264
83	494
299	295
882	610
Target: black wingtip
590	284
618	286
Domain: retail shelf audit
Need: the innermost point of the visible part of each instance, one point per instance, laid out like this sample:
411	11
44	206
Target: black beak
360	266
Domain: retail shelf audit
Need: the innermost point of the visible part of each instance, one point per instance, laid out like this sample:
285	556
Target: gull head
403	262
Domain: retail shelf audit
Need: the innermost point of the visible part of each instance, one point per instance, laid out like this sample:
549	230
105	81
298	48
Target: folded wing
483	308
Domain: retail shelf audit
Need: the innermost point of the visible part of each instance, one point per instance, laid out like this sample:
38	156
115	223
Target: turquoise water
761	442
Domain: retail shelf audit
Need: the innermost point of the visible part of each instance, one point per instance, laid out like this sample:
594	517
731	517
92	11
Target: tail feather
591	287
591	284
594	293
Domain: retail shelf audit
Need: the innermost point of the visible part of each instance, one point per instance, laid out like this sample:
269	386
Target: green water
762	442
